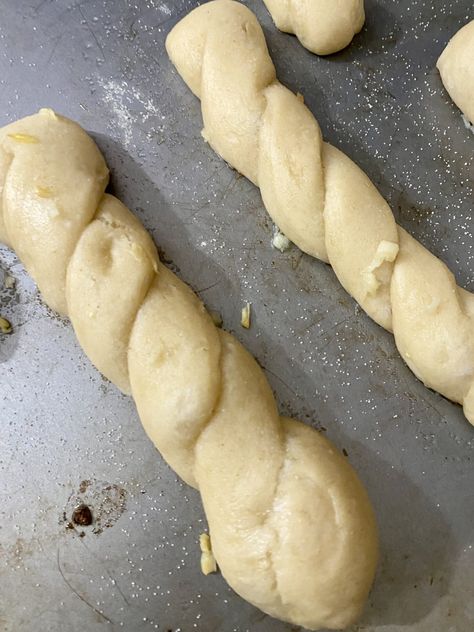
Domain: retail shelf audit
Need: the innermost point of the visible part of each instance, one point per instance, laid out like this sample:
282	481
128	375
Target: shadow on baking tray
418	551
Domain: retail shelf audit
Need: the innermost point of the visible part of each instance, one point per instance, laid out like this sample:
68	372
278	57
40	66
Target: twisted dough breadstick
320	199
292	527
456	67
322	26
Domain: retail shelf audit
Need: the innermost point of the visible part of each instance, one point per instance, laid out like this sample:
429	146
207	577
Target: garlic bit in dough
27	139
208	561
245	317
44	192
49	113
387	251
5	326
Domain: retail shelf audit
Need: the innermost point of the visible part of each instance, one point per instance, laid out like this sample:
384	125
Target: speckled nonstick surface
68	437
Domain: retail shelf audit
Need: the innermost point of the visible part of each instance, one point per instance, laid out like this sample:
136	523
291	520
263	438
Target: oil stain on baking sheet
97	504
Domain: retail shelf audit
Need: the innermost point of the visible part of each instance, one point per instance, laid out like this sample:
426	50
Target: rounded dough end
335	532
322	26
456	67
55	179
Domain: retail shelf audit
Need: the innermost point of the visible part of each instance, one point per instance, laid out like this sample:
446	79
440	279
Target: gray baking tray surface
68	436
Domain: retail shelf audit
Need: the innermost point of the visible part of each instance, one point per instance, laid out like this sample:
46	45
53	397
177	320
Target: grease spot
96	501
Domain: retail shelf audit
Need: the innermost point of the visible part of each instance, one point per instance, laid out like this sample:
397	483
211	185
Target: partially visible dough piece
456	67
322	26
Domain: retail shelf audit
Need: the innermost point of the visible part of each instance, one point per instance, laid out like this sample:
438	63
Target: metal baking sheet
66	434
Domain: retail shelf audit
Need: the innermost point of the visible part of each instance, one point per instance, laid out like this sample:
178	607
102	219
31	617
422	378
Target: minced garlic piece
208	561
387	251
137	251
140	253
54	211
372	283
24	138
205	543
245	318
5	326
9	282
280	241
44	192
48	112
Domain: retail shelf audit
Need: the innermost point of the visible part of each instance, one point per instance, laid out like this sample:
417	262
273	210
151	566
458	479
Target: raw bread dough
292	528
320	199
456	67
322	26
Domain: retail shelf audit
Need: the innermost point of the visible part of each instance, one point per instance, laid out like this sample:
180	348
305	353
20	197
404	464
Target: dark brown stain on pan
95	503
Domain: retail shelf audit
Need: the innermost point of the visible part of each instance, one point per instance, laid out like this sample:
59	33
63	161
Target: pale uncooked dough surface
456	66
320	199
322	26
292	527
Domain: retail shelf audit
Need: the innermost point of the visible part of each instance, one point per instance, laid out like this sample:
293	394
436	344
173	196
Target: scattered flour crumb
161	6
164	8
119	96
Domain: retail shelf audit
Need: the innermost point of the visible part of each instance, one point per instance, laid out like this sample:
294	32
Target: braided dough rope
292	528
320	199
456	67
322	26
